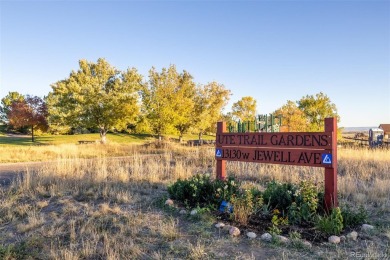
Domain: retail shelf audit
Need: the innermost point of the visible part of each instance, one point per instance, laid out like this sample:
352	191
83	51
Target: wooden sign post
316	149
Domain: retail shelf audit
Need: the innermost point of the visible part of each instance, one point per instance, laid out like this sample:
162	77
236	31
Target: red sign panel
318	149
306	157
281	140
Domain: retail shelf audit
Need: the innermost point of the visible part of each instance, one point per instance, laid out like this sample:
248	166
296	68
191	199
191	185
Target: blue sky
273	51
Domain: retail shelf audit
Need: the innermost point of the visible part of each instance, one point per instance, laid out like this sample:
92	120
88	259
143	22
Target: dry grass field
77	208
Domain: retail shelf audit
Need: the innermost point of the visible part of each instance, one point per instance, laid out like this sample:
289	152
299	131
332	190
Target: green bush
285	203
352	217
17	251
201	191
279	196
225	189
245	204
306	202
331	224
299	202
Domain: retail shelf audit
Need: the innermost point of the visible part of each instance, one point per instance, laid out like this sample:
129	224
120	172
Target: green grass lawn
63	139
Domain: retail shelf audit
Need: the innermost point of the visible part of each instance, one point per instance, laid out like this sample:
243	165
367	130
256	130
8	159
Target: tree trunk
180	138
32	133
103	133
200	138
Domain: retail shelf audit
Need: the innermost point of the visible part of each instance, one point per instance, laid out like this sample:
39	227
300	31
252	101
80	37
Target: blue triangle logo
218	152
326	158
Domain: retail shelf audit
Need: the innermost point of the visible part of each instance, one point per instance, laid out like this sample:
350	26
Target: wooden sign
315	149
280	140
315	158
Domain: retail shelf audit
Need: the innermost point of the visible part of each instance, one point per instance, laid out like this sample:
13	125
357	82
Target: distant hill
357	129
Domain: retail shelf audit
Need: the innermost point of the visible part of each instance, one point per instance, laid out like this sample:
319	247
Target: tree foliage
316	109
96	96
292	117
184	107
31	112
6	103
244	109
168	101
209	103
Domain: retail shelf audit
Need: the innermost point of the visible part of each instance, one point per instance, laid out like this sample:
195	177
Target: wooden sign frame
315	149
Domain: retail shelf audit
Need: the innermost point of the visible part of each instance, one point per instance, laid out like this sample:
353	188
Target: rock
334	239
183	211
366	227
227	227
283	239
353	235
219	225
342	238
169	202
267	237
193	212
251	235
234	232
306	244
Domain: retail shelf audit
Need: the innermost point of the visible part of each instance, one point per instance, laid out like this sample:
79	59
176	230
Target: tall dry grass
363	175
11	154
103	208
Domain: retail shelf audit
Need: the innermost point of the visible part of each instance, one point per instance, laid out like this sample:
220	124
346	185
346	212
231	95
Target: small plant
300	203
200	190
306	202
332	224
295	235
276	222
18	251
245	205
279	195
225	189
275	230
196	191
295	238
352	217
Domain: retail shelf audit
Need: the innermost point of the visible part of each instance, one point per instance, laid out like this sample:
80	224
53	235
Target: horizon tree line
99	97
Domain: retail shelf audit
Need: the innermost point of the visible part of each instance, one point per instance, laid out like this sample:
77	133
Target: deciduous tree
6	103
31	112
96	96
292	117
169	101
210	101
185	103
159	100
316	109
244	109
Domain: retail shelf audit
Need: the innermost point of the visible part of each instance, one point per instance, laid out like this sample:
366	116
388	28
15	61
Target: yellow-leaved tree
168	101
244	109
316	109
292	117
210	101
96	96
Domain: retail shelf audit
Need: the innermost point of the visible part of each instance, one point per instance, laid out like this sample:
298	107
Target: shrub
300	202
18	251
352	217
200	190
331	224
279	196
246	204
193	192
306	203
224	190
276	222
